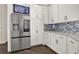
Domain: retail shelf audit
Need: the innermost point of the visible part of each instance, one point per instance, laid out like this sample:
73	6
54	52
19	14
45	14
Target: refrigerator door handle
21	25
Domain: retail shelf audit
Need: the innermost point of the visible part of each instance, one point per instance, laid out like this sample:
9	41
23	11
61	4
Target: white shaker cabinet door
54	14
33	12
54	42
46	14
39	12
40	32
62	44
72	46
58	43
36	24
46	38
33	32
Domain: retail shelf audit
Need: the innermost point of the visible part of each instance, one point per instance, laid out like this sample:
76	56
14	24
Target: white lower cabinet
72	46
46	37
54	42
62	44
58	43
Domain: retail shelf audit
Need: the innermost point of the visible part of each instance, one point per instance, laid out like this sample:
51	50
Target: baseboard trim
3	42
36	45
25	48
51	49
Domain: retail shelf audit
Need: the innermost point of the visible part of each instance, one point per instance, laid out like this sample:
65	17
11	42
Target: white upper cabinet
68	12
46	13
53	13
36	11
63	13
33	11
39	12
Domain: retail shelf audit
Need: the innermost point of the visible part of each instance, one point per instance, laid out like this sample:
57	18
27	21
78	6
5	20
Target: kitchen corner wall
3	23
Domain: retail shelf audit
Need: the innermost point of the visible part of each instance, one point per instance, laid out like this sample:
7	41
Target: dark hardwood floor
40	49
3	48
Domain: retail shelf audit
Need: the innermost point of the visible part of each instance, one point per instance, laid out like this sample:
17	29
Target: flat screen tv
20	9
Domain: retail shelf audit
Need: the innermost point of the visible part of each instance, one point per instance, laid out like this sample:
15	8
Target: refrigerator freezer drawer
26	43
15	44
20	43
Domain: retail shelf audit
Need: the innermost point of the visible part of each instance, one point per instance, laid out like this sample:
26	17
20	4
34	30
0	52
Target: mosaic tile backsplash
65	27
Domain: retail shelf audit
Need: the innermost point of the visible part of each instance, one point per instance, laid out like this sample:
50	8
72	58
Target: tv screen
20	9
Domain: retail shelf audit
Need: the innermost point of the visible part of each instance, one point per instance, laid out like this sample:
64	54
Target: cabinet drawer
14	44
26	43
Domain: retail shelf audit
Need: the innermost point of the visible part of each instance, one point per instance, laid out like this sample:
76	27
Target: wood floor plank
33	50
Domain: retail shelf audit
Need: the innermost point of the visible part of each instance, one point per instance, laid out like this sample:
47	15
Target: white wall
69	9
3	23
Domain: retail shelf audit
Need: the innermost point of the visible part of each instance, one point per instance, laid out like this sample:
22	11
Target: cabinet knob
65	17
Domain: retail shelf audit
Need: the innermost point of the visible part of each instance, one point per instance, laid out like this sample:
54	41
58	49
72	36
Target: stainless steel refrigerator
20	32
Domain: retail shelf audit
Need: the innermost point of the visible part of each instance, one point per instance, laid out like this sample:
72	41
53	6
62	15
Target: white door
36	25
46	14
72	46
54	14
62	44
48	41
54	42
33	24
33	12
46	36
40	31
40	24
34	32
40	12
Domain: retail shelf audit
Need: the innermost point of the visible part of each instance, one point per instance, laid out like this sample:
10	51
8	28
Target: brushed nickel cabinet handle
56	41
